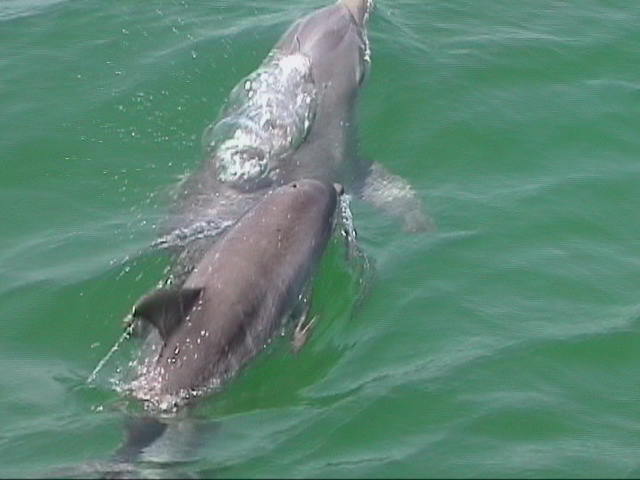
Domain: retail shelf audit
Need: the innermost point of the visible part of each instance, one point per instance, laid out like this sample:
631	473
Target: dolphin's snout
359	9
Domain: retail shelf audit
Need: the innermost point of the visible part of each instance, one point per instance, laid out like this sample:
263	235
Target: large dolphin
293	118
246	287
253	278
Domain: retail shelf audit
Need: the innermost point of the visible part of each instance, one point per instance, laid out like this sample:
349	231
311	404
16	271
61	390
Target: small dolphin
251	279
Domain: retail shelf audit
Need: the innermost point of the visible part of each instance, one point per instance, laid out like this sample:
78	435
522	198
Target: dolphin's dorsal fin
166	308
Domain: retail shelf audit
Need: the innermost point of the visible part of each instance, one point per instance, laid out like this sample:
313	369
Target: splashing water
125	335
267	116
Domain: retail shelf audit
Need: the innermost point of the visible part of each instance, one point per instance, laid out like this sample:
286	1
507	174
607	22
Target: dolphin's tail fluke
141	432
359	9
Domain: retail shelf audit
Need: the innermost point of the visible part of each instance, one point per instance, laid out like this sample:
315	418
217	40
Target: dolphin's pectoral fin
397	197
303	328
141	432
166	308
302	333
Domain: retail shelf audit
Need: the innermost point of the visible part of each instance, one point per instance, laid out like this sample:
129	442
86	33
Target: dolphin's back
337	45
245	285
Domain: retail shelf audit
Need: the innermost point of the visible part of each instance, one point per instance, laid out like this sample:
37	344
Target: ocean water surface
505	342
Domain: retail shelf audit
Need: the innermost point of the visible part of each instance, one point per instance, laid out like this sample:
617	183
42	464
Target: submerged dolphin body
237	296
293	118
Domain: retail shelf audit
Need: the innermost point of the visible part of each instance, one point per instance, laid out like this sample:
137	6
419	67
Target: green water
504	343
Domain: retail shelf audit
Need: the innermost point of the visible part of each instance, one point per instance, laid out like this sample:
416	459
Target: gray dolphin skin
265	200
334	39
252	278
294	118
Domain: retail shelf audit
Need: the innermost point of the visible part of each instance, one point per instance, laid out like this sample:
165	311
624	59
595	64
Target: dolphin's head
335	39
308	198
